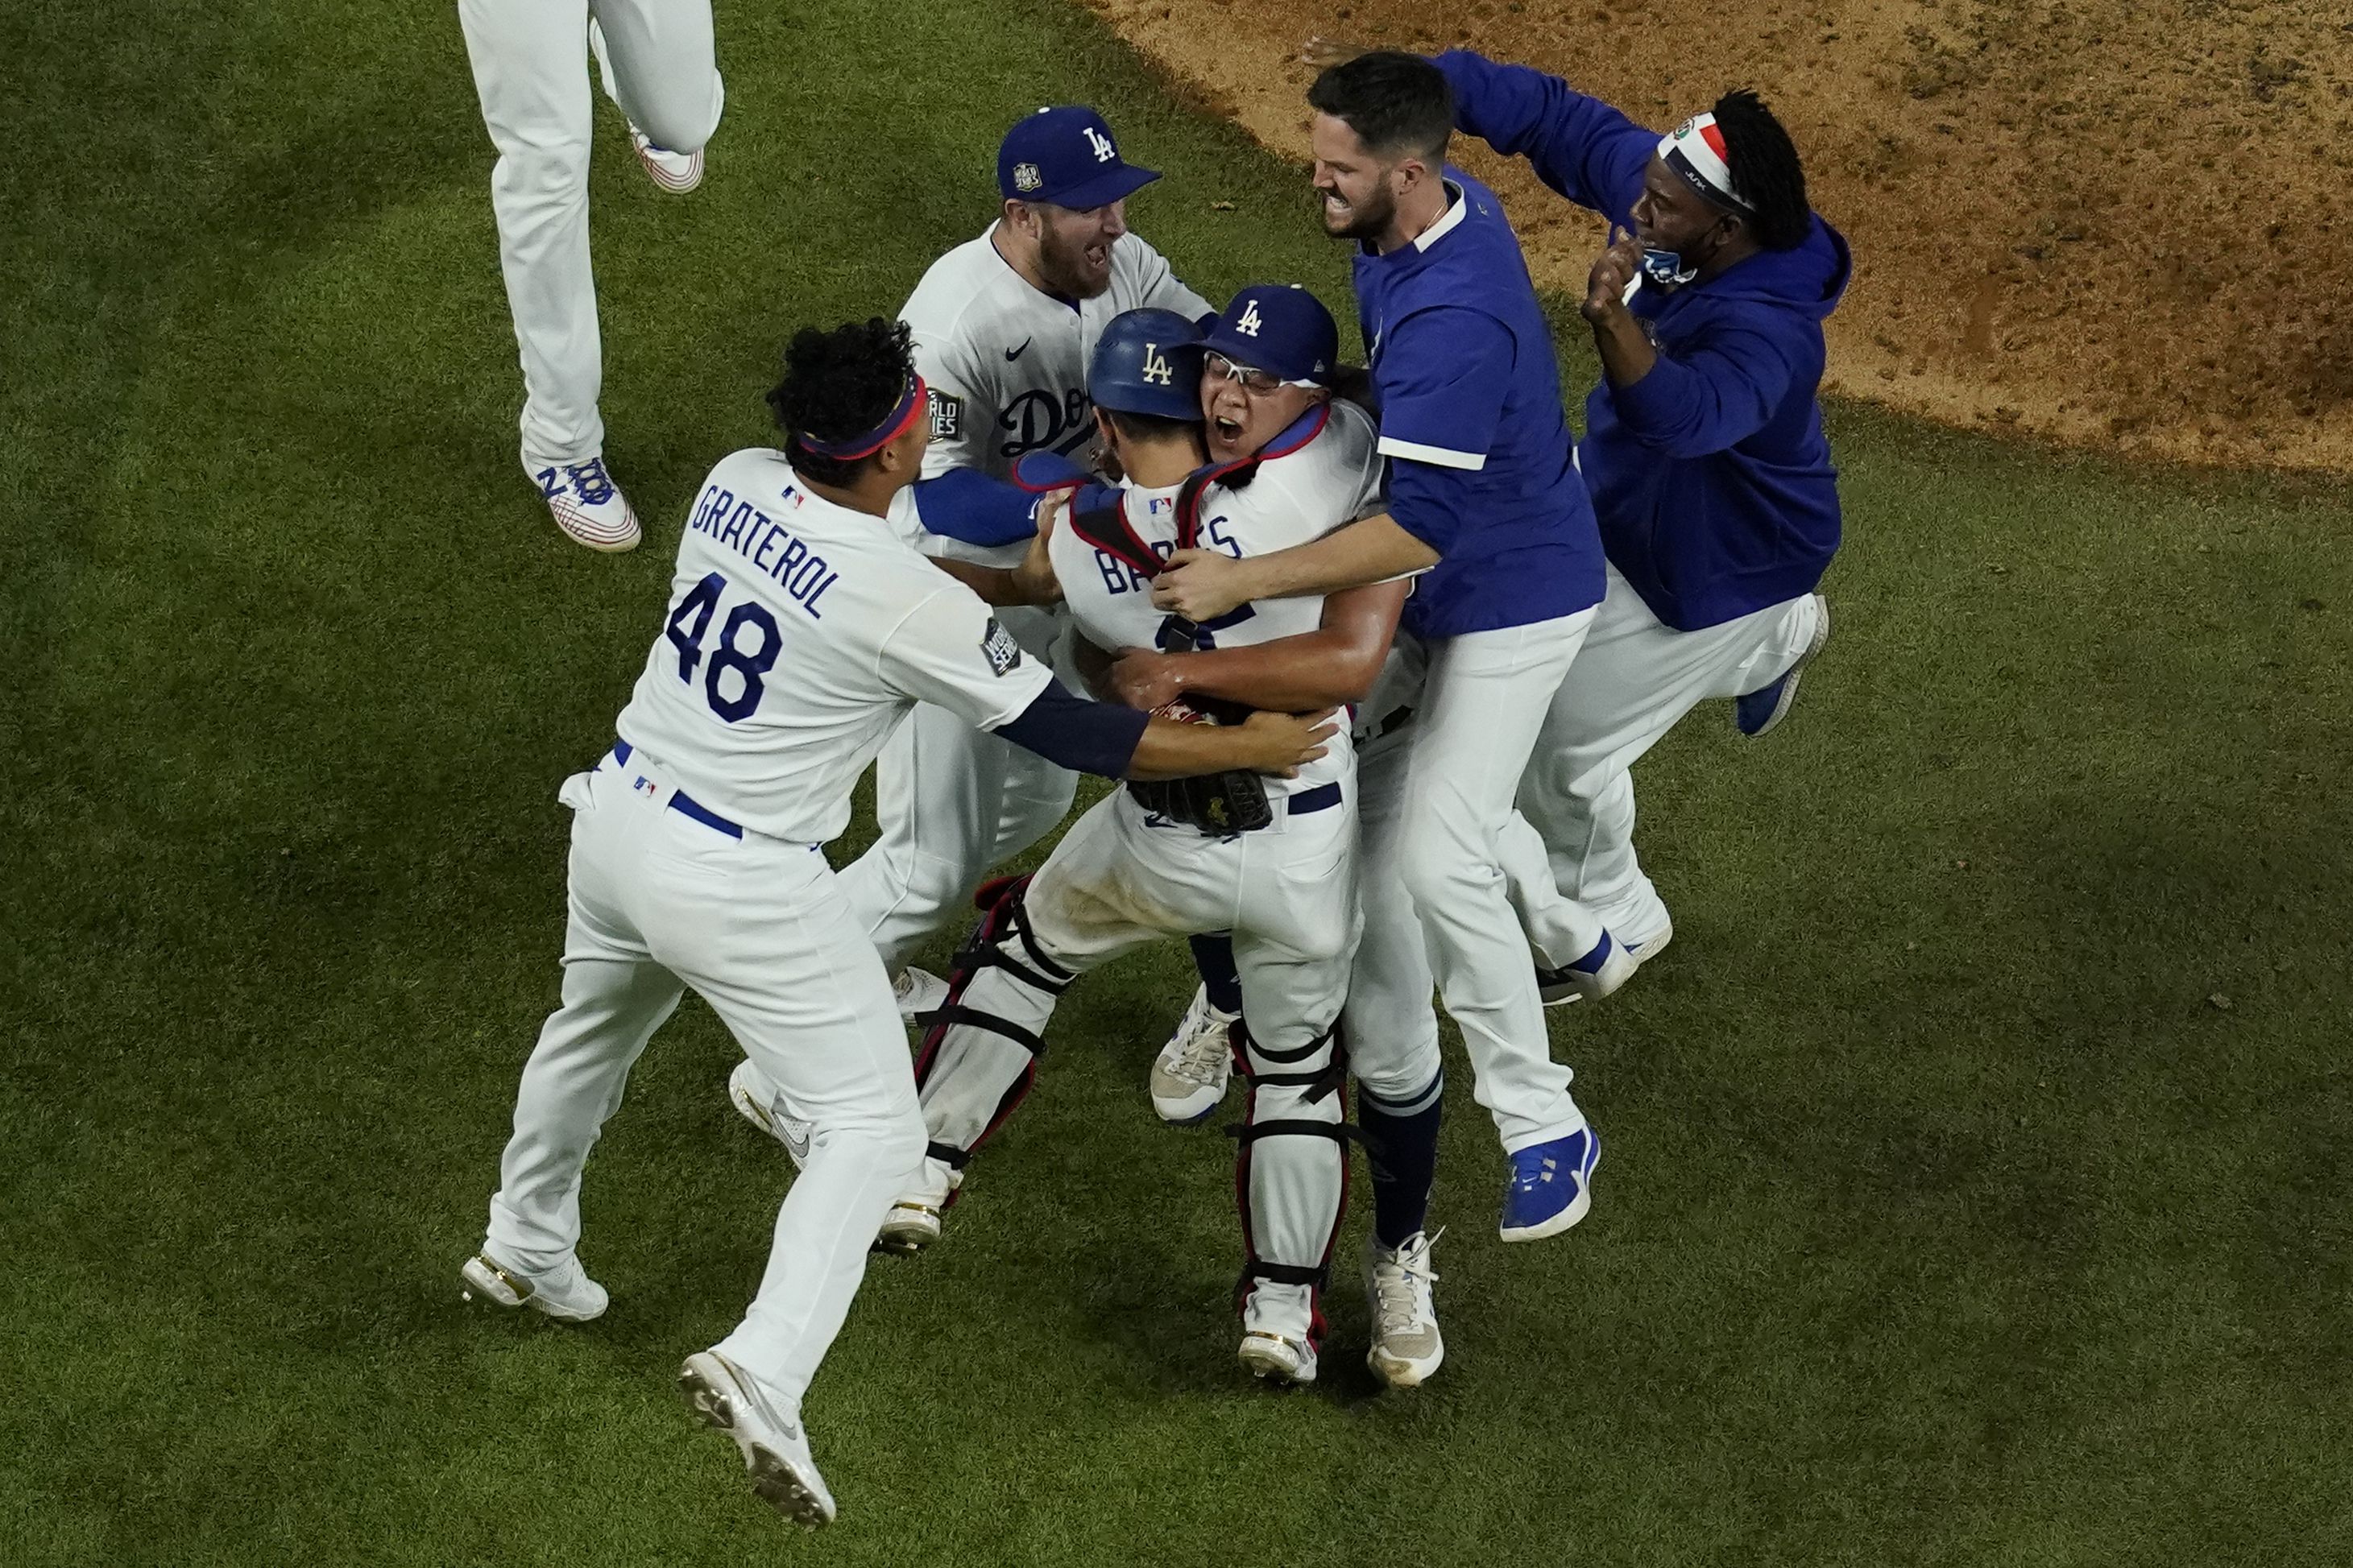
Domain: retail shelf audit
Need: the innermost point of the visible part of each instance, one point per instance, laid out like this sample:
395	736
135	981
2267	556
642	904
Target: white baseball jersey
1007	363
1323	473
799	634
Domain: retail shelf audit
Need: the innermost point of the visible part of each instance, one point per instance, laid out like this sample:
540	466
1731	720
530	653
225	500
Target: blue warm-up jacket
1710	476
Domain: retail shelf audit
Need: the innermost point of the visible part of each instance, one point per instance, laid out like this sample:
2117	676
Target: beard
1368	219
1068	269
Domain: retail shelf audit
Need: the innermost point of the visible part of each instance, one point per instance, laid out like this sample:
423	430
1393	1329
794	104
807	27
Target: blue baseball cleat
1766	706
1551	1186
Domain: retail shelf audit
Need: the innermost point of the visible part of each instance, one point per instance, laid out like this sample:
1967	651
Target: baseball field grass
1977	1160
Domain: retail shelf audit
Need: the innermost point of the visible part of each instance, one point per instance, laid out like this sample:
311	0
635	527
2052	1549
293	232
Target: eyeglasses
1252	379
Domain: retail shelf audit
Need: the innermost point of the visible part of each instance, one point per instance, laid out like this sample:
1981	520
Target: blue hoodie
1710	476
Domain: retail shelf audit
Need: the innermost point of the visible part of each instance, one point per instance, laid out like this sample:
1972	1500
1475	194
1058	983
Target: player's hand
1034	579
1613	271
1283	743
1143	678
1324	53
1201	584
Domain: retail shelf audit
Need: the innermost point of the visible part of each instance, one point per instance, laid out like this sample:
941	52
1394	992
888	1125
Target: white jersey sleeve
950	650
1149	280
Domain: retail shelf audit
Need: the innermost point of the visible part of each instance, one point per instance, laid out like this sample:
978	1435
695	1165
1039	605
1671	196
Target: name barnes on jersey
799	571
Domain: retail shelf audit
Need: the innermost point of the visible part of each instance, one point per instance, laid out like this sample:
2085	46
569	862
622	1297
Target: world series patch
947	414
998	647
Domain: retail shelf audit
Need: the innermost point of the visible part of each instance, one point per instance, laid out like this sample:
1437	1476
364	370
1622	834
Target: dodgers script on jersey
1317	476
799	632
1007	363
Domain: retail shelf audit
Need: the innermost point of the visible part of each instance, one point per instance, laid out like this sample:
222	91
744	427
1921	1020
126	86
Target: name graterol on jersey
799	571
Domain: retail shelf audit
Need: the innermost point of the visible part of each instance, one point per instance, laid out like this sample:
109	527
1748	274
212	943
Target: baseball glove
1214	802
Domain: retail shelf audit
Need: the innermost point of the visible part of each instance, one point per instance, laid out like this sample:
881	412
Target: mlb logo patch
998	647
947	414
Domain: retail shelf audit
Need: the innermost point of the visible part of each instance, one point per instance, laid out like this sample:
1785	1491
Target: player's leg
659	64
1294	939
1635	679
939	791
615	997
531	72
1039	934
1392	1032
760	929
1484	701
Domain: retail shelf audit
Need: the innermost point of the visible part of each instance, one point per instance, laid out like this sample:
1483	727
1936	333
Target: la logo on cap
1105	150
1249	323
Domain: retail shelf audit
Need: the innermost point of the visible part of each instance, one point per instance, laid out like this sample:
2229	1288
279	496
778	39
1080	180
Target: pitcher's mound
2104	221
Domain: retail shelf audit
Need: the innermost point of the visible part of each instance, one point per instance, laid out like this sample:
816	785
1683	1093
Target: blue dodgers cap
1066	156
1278	328
1148	361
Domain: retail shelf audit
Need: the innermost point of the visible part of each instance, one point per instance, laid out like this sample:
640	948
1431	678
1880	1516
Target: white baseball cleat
914	1222
1189	1077
918	990
755	1099
565	1294
1406	1344
773	1444
586	504
1277	1357
1276	1326
1601	973
677	172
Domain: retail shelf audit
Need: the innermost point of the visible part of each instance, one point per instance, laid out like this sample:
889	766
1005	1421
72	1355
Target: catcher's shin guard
1290	1176
981	1046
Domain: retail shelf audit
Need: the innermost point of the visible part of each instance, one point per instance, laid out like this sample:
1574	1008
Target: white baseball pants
950	802
1435	893
531	72
660	902
1635	676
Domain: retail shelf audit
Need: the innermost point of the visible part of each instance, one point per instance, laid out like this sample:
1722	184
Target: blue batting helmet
1148	361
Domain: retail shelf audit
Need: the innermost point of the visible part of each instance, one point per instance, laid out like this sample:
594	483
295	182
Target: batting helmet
1148	361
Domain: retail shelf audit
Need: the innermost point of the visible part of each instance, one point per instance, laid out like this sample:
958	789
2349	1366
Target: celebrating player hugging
801	630
1062	458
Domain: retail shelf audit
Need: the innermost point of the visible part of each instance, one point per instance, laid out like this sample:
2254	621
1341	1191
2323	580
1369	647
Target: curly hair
838	384
1764	169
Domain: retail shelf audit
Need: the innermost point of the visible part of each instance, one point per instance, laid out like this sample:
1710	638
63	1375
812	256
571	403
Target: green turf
1950	1215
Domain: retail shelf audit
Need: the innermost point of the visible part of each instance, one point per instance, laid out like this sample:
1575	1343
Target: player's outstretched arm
1202	585
1336	663
1119	743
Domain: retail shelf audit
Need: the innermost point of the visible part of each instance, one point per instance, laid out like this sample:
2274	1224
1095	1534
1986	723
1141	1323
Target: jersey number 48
729	664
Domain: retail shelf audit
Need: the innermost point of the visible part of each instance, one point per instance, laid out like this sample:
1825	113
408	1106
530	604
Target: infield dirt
2107	222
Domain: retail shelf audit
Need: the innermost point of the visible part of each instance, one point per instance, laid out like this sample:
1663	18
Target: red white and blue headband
849	449
1695	152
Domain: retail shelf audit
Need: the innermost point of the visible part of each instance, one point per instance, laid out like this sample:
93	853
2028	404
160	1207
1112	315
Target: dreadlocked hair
838	384
1765	170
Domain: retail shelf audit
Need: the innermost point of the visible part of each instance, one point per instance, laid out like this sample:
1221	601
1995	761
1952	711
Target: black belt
684	804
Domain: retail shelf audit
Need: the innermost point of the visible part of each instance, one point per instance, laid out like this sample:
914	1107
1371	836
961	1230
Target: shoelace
590	481
1204	1052
1529	1177
1396	1302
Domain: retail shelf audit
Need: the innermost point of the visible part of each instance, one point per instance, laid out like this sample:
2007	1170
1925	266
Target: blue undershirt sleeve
1580	146
966	504
1085	737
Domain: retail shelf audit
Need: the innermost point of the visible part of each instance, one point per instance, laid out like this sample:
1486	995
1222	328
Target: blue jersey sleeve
966	504
1710	399
1442	376
1579	146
